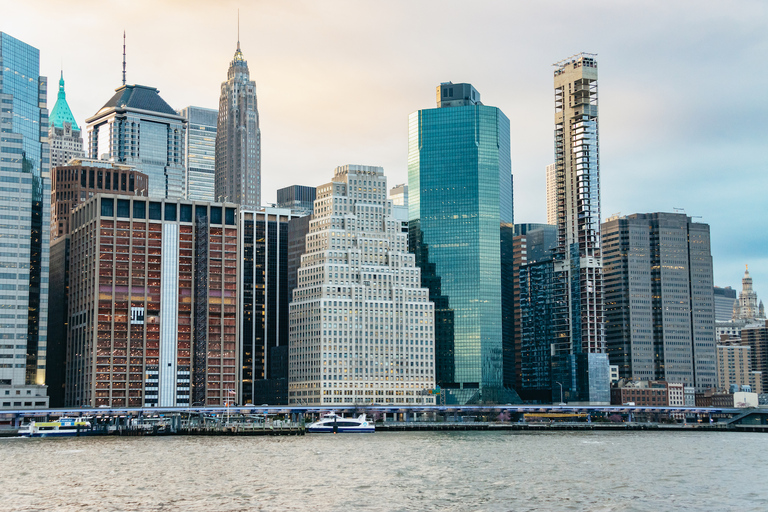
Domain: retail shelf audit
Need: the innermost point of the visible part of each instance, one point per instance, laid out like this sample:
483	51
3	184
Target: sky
682	89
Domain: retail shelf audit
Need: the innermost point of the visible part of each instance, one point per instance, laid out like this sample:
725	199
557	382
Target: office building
747	306
200	143
579	258
26	215
399	195
643	393
299	198
734	367
238	138
523	245
265	296
64	137
459	194
724	299
659	302
137	127
552	194
81	179
153	314
757	339
361	326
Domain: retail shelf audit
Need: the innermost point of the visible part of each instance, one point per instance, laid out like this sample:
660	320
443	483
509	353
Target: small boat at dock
332	423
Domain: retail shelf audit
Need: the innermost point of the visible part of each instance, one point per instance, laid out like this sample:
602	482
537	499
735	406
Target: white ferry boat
61	428
333	423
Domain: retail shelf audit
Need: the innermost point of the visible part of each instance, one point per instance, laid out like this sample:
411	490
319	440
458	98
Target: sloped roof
139	97
61	113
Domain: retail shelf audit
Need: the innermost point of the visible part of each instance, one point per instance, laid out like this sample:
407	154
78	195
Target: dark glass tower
459	194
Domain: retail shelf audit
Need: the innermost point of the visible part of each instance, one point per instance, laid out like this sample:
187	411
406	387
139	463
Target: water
398	471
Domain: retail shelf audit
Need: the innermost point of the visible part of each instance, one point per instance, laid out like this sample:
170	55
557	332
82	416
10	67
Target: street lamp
561	392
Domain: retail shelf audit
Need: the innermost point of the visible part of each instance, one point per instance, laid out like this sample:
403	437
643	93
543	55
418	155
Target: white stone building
361	326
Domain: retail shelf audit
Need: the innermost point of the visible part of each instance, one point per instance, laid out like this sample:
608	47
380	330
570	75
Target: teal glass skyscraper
459	193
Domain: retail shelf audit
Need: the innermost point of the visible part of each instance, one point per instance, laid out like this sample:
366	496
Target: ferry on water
61	428
333	423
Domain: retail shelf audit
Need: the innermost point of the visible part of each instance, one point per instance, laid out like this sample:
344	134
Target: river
396	471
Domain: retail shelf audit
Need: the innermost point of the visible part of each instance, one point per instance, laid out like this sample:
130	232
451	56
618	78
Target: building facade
757	339
552	194
659	301
399	195
734	367
265	296
747	306
79	181
200	172
361	326
137	127
25	215
153	315
64	137
459	194
579	256
238	137
299	198
724	299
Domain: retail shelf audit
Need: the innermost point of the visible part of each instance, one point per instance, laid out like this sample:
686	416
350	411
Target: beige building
734	366
552	194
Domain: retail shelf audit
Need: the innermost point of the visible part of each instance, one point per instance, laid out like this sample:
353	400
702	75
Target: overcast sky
683	88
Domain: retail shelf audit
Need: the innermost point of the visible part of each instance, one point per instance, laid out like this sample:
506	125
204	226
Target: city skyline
313	84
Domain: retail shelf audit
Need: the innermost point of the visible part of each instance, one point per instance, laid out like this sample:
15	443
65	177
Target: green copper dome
61	113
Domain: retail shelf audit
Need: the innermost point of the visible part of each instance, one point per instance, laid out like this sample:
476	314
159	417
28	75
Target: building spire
123	57
238	29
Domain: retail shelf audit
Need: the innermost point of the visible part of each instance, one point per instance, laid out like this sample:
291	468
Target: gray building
659	303
299	198
238	138
200	174
578	255
64	137
138	128
724	299
25	218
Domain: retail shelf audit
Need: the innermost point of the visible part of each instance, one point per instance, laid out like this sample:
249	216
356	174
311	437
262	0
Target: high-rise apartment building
734	367
64	135
238	137
137	127
264	296
459	194
552	194
577	180
757	339
26	215
659	302
153	313
200	173
361	326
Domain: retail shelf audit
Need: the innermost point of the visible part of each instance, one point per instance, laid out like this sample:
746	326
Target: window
170	211
107	207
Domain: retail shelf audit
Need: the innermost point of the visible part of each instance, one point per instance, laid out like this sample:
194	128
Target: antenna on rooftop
123	57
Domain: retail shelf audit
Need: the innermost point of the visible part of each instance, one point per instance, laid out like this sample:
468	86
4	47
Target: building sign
137	315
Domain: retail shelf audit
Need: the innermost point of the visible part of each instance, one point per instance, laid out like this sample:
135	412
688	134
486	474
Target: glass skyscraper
459	194
25	215
200	176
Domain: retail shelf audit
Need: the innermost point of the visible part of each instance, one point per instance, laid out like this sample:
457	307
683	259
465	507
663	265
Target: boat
333	423
61	428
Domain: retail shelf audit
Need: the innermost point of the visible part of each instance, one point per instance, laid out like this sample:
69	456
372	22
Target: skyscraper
747	306
659	304
724	299
362	327
26	216
200	173
299	198
137	127
64	136
577	177
238	138
153	308
459	194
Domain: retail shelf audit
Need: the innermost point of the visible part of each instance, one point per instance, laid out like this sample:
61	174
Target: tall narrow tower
577	176
238	138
